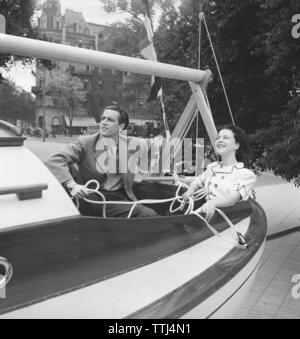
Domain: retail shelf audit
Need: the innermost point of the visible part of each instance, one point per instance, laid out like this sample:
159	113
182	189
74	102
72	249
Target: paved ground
271	294
281	202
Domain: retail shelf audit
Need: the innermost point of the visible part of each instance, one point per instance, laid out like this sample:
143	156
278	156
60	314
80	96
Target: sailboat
57	263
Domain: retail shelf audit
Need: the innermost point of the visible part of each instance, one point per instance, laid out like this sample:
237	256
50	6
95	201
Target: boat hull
173	264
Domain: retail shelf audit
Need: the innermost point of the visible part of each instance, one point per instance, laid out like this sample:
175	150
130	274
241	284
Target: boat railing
25	192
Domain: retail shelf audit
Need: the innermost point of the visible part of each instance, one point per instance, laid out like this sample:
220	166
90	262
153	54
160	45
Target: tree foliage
68	90
15	106
18	15
133	7
123	38
260	65
280	135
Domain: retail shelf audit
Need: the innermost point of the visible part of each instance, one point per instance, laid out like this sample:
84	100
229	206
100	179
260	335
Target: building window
86	31
101	86
57	25
87	68
86	85
72	69
75	28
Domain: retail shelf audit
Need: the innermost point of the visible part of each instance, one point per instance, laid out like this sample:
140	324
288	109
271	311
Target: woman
225	182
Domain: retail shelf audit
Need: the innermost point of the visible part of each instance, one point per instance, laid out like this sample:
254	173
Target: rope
241	243
201	16
165	120
219	71
135	203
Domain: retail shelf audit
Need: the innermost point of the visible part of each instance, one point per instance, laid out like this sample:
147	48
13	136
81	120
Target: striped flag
147	51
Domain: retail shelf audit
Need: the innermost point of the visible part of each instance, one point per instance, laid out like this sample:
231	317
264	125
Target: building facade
93	87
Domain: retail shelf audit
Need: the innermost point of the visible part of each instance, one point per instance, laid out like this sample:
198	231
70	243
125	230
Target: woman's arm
210	206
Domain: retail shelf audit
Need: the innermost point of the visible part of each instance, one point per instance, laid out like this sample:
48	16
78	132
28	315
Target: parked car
38	132
29	131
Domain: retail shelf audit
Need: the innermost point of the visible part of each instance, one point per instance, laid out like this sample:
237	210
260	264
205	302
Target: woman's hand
191	193
80	192
209	209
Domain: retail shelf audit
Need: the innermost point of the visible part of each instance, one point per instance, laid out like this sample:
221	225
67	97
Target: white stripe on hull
226	301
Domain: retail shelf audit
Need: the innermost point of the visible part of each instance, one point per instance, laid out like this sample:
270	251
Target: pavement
275	293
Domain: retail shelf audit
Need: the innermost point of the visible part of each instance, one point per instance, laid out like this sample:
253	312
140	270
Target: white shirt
220	181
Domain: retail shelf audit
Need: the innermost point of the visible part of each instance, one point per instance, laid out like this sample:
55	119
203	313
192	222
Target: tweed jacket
82	153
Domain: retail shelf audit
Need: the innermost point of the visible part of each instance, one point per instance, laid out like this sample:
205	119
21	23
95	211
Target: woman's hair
241	138
123	115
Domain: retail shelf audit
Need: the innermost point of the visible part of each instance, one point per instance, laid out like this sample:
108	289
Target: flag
147	51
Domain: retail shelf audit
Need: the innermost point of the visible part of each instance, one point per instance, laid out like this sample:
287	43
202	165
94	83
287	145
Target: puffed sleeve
244	184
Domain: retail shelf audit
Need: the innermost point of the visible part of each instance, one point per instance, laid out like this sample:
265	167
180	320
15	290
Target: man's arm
59	165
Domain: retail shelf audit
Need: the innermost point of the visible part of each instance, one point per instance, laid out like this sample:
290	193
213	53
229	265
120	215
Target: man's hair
123	115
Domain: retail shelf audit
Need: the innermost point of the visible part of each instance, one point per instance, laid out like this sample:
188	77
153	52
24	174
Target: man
90	154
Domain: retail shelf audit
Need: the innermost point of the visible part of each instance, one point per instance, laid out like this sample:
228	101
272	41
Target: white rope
135	203
165	120
237	244
219	71
198	195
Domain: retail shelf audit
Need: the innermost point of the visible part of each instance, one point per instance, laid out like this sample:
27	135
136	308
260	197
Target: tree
280	135
260	63
233	26
18	14
69	93
123	38
133	7
14	105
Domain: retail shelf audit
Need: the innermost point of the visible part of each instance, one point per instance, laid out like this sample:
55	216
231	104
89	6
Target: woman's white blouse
220	181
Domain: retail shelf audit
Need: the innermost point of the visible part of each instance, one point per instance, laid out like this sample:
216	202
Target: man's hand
209	209
80	192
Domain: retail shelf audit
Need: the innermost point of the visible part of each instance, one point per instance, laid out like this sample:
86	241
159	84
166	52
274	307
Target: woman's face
225	143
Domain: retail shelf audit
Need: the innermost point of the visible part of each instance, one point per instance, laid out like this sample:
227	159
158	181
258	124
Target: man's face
109	125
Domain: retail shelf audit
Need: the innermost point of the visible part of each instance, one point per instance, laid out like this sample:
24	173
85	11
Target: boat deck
271	294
